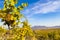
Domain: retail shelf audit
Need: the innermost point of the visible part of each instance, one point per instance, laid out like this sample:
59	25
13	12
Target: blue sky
41	12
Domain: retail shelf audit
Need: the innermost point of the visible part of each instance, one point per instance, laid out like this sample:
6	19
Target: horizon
39	12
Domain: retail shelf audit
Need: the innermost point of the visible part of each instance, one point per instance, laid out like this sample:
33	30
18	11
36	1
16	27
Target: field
40	34
48	34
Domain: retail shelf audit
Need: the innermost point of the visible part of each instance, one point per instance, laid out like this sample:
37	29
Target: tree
12	17
11	13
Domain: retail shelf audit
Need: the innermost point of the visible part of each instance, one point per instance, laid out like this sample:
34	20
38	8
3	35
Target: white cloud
52	7
42	8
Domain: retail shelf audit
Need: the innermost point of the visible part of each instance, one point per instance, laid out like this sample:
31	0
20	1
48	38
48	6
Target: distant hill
44	27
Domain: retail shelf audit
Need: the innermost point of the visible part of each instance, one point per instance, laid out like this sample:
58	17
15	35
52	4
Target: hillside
44	27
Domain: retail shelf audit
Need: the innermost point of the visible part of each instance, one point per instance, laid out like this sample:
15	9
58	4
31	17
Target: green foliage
12	17
11	13
13	34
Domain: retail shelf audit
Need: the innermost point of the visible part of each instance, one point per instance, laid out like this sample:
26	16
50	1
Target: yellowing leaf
24	4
